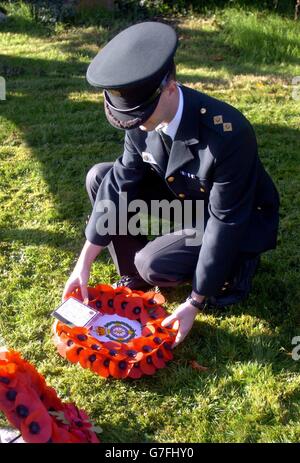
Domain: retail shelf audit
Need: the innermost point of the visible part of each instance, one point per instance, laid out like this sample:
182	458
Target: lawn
52	130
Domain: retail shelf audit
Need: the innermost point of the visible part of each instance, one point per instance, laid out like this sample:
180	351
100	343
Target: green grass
52	130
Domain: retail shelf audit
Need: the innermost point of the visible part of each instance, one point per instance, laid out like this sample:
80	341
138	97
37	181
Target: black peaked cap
131	69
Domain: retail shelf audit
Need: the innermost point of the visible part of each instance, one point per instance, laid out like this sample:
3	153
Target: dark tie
167	141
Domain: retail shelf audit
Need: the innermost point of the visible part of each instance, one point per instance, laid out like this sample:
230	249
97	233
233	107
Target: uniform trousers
165	261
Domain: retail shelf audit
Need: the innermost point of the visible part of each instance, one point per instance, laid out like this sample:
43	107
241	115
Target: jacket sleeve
125	176
230	206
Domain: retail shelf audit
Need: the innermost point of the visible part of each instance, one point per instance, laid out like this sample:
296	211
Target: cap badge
115	92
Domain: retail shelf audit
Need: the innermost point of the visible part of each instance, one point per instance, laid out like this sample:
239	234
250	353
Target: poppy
60	435
135	372
78	332
107	303
136	292
116	355
61	343
120	303
167	332
147	365
167	350
37	427
87	357
122	290
27	402
94	344
152	299
134	308
148	330
8	396
101	367
76	418
144	345
7	379
115	350
92	295
92	438
50	398
158	311
72	354
153	315
102	288
76	293
133	355
120	369
158	359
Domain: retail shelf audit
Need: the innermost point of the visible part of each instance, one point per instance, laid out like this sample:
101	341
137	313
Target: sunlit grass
52	130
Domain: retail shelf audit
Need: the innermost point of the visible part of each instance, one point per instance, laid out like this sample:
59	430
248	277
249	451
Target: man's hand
185	314
78	279
81	273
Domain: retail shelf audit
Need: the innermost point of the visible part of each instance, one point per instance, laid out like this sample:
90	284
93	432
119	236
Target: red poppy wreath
126	340
35	409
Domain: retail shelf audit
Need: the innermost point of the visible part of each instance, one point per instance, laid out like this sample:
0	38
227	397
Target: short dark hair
172	74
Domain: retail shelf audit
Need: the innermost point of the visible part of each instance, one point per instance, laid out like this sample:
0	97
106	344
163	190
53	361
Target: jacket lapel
155	147
187	133
180	154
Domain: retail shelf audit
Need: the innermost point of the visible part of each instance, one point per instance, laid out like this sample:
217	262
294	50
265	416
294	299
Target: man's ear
171	87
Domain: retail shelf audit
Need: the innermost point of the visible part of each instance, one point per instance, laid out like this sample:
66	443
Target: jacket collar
188	130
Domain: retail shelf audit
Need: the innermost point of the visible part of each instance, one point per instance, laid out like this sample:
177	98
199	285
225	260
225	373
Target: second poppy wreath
126	340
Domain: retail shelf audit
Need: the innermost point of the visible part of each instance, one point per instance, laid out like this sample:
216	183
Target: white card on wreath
73	312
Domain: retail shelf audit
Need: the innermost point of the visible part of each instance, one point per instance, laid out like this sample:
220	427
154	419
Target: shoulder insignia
218	120
227	127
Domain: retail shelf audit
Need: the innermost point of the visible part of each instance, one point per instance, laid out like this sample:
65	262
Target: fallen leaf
217	58
196	366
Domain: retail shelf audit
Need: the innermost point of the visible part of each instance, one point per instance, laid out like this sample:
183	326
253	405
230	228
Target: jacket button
258	208
171	179
181	195
203	110
202	190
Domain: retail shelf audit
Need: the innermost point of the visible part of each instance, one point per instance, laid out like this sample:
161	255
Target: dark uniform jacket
216	144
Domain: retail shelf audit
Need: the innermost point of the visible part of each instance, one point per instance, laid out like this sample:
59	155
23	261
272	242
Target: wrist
199	304
197	297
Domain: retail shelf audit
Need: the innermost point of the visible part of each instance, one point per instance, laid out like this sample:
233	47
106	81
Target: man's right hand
78	279
80	276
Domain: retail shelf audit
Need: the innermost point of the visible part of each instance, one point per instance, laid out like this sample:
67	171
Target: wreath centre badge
115	328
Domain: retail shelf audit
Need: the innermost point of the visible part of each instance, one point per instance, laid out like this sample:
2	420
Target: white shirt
171	128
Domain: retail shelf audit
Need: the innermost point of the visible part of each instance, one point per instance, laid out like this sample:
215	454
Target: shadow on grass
28	237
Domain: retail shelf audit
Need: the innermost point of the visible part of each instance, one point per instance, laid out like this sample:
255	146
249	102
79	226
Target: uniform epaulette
217	121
